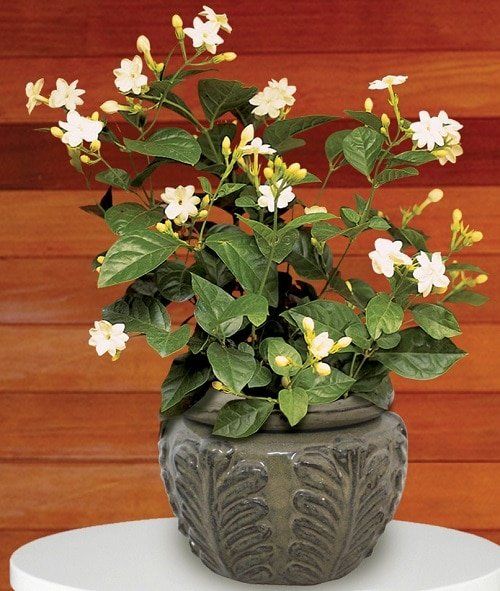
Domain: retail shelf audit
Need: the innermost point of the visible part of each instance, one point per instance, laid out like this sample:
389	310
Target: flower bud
456	216
85	159
285	381
483	278
315	209
344	342
440	290
177	22
322	369
247	135
57	132
110	107
268	173
435	195
476	236
217	385
282	361
441	153
226	146
204	202
278	161
161	227
95	145
143	44
293	168
202	214
385	120
95	116
308	324
228	56
100	259
368	105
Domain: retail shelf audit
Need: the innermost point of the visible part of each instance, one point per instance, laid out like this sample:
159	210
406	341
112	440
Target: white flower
33	90
285	90
315	209
107	337
430	273
429	131
269	102
129	77
387	81
267	197
218	19
66	95
386	255
204	34
321	345
451	152
78	129
449	124
182	203
257	147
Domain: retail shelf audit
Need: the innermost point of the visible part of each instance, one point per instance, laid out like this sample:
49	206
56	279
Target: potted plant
282	461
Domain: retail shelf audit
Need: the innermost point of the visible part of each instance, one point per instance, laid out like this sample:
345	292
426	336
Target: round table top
152	556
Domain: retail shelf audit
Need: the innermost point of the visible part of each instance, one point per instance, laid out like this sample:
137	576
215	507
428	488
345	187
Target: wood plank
60	496
49	223
51	170
123	426
63	290
463	83
58	359
110	26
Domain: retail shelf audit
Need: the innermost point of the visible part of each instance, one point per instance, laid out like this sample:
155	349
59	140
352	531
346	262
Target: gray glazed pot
286	506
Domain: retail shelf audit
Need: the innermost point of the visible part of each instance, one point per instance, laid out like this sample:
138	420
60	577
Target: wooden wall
78	433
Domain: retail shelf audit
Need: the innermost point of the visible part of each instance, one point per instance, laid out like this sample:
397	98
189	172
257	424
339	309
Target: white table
152	556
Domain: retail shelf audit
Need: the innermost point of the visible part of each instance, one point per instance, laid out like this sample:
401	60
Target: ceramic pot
285	506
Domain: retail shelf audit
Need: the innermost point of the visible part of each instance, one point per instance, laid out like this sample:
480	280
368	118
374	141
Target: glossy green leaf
436	320
279	133
323	231
306	260
221	96
167	344
242	256
393	174
126	218
173	143
383	316
276	346
138	313
282	242
381	395
361	148
333	144
186	375
234	368
173	279
242	418
261	377
366	118
415	157
116	177
310	218
466	296
211	141
251	305
420	357
323	389
212	268
134	255
293	404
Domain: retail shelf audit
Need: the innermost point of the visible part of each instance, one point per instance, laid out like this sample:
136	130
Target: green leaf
116	177
362	291
229	188
173	280
464	267
146	172
388	341
329	316
212	268
436	320
322	390
138	313
359	335
466	296
378	223
383	316
241	418
323	231
279	133
381	395
293	404
361	148
134	255
307	261
220	96
261	377
211	305
242	256
333	144
393	174
186	375
251	305
126	218
172	143
415	157
420	357
366	118
409	236
234	368
275	346
264	236
167	344
310	218
211	141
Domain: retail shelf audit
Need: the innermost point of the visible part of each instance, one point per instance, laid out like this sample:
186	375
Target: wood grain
122	427
68	495
60	360
111	26
50	223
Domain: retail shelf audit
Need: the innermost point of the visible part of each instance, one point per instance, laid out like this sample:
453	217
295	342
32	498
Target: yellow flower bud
204	202
476	236
456	216
285	381
295	167
177	21
95	146
228	56
268	173
368	105
159	67
57	132
322	369
344	342
483	278
202	214
247	135
143	44
435	195
110	107
308	324
84	159
301	174
217	385
161	227
95	116
440	153
385	120
226	146
440	290
100	259
282	361
98	269
278	161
